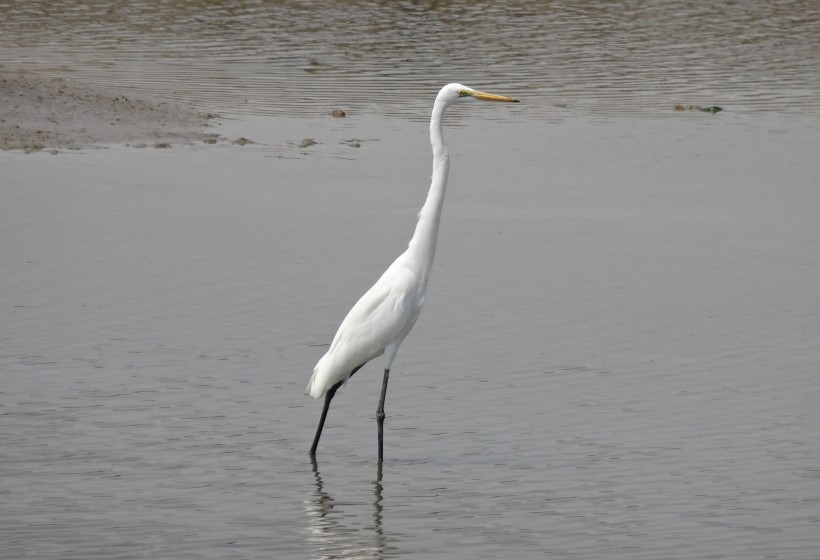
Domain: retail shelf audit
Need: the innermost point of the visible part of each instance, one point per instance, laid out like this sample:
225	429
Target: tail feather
318	385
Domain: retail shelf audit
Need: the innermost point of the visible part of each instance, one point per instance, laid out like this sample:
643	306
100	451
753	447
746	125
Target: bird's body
381	319
376	325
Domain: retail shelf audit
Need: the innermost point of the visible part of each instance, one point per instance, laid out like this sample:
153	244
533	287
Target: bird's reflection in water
332	528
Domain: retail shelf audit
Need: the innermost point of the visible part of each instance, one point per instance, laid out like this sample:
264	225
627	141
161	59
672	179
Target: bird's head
459	92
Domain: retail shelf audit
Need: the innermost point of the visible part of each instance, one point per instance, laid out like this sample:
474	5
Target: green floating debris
713	109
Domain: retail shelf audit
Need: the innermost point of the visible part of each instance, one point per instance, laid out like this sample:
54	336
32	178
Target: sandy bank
49	113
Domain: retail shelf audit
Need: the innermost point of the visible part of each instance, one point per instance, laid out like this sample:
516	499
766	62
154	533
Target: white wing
382	316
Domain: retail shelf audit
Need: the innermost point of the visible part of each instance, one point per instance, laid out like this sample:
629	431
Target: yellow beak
491	97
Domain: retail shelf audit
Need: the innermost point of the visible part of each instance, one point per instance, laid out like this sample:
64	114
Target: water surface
306	58
618	354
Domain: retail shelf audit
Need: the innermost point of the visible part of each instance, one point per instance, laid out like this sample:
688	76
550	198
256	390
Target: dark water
385	58
618	353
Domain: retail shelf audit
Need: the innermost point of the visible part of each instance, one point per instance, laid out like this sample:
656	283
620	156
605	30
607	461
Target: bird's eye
463	93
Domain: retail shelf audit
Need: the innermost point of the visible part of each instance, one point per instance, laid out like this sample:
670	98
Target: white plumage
376	325
385	314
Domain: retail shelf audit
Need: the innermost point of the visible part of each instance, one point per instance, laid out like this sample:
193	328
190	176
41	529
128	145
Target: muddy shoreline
51	113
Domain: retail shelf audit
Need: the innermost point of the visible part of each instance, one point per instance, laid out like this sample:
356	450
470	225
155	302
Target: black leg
380	415
328	397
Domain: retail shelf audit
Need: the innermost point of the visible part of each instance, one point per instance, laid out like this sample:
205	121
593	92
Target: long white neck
422	246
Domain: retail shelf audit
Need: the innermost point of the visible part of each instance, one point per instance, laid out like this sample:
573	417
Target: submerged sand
52	113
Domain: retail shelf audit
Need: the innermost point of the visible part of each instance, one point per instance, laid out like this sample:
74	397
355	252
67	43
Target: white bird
384	315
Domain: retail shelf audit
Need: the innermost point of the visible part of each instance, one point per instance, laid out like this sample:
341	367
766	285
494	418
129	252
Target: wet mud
53	114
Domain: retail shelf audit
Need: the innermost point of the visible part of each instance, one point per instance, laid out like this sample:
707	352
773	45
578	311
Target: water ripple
300	59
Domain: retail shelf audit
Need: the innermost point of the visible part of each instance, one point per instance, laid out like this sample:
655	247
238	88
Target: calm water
305	58
618	355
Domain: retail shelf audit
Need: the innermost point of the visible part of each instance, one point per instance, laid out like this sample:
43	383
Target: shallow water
387	58
618	354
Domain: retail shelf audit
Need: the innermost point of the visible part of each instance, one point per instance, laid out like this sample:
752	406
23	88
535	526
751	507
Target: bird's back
382	317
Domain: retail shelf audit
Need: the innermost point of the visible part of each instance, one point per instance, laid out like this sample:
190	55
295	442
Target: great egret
380	320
